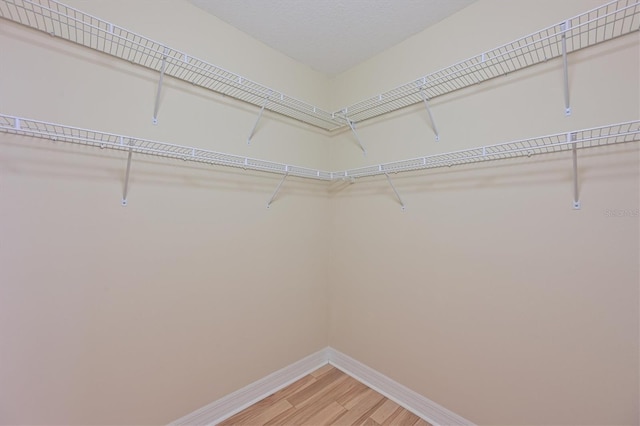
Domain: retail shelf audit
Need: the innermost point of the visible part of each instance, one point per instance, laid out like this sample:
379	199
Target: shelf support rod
433	123
396	192
253	130
126	176
277	189
567	106
162	69
352	125
576	193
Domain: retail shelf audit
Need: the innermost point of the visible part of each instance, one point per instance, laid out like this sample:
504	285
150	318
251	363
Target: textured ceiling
331	36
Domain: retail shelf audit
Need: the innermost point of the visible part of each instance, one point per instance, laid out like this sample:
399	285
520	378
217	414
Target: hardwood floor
325	397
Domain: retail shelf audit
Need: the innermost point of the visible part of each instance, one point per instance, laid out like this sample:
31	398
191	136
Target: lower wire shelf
585	138
580	139
95	138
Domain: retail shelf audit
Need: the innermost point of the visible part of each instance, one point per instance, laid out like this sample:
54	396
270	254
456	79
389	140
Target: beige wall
450	41
140	315
489	295
185	27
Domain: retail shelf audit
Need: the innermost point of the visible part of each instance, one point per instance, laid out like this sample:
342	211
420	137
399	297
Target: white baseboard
237	401
405	397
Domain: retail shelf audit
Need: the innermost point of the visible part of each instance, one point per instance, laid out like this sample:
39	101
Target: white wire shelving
60	20
612	20
94	138
609	21
580	139
574	140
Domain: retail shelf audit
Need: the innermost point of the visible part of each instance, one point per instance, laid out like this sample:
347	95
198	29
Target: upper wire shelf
606	22
76	26
598	25
586	138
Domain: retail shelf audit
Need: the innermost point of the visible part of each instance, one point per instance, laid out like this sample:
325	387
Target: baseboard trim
237	401
405	397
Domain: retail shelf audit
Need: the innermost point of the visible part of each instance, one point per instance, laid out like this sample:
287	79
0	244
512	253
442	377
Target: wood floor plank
385	411
327	415
401	417
359	412
297	416
357	400
267	414
325	381
355	392
330	394
294	387
369	422
325	397
266	403
317	402
406	418
243	416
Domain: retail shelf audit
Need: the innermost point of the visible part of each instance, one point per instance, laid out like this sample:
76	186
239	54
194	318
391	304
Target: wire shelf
604	23
78	27
601	24
588	138
94	138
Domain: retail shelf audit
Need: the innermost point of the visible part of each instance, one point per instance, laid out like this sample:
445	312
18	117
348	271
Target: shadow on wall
60	161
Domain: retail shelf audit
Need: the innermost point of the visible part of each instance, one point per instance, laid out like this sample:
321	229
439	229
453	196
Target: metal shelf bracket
571	138
253	129
352	125
158	92
126	176
402	206
565	26
273	197
426	104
